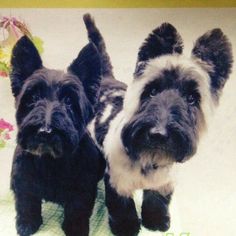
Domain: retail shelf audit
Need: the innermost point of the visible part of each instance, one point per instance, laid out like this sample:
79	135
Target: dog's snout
45	130
158	133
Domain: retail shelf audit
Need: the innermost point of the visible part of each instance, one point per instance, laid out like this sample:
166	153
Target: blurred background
205	195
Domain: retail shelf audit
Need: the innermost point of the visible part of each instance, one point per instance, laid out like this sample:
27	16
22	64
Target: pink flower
5	125
7	136
3	74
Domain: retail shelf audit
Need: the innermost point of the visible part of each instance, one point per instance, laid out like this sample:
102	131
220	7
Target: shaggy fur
157	121
55	158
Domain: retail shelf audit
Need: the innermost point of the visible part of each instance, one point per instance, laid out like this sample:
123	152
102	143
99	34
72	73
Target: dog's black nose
45	130
158	134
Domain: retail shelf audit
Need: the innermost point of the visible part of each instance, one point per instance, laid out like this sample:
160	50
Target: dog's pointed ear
25	60
214	50
87	67
163	40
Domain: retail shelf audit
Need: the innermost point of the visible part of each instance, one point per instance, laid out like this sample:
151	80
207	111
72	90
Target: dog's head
53	107
169	101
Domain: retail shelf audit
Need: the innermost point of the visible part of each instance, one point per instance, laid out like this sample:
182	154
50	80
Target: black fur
122	211
55	159
165	125
215	49
163	40
24	64
155	211
88	65
107	69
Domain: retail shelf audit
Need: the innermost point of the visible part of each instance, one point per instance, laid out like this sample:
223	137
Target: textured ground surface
206	187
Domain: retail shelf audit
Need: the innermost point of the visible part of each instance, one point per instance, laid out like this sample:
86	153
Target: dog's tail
95	37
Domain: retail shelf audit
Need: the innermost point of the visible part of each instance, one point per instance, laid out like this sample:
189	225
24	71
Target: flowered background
5	129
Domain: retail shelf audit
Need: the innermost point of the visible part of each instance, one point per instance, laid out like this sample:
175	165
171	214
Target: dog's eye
67	101
35	97
153	92
192	99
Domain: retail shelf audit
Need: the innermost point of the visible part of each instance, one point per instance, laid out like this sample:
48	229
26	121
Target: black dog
55	158
157	121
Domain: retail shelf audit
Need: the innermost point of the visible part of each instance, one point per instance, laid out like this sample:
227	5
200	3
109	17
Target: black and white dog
157	121
55	158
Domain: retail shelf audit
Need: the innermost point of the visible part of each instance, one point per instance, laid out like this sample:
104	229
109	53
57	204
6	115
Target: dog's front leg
123	218
76	215
155	208
28	209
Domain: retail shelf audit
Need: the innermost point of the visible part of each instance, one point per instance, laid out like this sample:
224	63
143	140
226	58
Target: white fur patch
103	98
119	93
91	128
106	113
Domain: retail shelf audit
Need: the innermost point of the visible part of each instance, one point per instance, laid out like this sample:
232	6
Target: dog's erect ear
214	49
25	60
87	67
163	40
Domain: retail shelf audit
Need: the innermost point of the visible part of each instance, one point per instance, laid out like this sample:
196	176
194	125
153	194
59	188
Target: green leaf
3	67
2	143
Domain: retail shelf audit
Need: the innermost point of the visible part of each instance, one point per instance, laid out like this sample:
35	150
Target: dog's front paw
75	228
28	227
155	220
127	227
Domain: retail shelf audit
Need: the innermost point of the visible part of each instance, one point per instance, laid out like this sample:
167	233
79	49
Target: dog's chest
55	177
126	177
